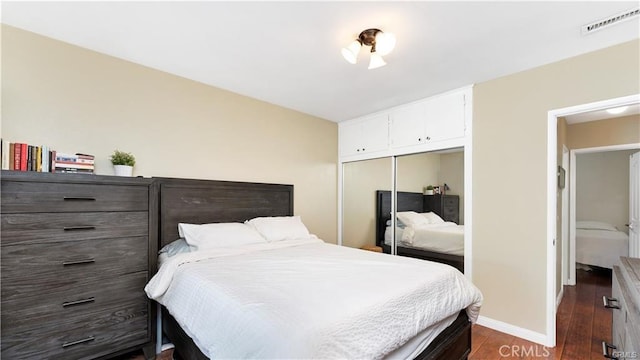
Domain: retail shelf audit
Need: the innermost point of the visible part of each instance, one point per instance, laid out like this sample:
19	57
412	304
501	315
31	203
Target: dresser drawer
19	197
57	227
118	327
85	301
27	269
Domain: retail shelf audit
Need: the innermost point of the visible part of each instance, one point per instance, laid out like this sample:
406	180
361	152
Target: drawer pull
78	302
81	341
78	262
78	198
607	302
74	228
605	350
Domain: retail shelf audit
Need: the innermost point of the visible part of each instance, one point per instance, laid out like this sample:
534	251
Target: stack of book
74	163
25	157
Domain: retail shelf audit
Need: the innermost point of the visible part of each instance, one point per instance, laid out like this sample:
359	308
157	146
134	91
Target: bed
441	243
600	244
203	202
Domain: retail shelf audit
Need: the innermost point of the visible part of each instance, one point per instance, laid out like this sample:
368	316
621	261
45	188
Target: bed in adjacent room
266	288
600	244
420	231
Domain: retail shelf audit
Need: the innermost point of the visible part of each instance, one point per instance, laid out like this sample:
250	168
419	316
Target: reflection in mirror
430	199
361	179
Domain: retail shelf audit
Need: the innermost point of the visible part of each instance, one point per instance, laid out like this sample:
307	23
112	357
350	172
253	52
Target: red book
23	157
17	156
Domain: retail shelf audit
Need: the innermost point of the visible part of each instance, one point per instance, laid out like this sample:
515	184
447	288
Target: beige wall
76	100
510	173
602	187
416	171
616	131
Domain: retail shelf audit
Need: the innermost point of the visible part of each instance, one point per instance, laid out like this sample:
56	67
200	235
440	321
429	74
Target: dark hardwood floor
582	324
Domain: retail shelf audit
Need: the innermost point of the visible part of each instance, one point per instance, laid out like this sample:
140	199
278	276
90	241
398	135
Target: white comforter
307	299
601	247
446	237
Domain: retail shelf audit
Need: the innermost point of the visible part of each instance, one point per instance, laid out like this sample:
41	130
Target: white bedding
446	237
601	247
309	299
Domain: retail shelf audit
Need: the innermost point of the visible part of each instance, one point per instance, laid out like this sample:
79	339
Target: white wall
602	187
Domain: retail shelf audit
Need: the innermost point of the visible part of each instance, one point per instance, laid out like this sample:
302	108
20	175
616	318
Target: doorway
553	295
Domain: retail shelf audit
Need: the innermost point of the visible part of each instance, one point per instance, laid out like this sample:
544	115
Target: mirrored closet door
361	181
429	206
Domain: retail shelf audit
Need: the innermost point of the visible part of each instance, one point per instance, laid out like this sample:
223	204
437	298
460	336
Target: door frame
552	164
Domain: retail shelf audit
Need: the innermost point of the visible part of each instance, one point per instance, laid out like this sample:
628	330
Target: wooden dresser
447	206
625	304
76	253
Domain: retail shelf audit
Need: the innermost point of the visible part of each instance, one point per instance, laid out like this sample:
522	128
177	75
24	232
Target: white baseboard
559	299
513	330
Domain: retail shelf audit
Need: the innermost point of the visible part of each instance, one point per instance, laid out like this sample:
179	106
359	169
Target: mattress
309	299
601	248
446	237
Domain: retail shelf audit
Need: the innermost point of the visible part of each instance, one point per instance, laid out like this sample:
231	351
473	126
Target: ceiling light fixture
618	110
381	44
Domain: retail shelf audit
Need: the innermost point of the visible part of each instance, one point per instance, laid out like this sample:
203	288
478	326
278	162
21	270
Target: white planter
123	170
428	192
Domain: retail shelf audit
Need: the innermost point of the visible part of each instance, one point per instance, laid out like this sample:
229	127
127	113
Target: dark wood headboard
407	201
213	201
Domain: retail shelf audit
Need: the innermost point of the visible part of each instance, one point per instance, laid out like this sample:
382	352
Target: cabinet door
408	125
445	117
349	138
365	135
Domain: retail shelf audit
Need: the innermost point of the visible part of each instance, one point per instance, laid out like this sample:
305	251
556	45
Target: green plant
122	158
429	187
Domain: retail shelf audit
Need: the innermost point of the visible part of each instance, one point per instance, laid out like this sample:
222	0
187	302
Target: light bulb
350	53
385	42
376	61
618	110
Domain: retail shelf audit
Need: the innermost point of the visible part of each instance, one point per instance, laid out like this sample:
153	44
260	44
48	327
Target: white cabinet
445	117
408	125
364	135
427	121
425	125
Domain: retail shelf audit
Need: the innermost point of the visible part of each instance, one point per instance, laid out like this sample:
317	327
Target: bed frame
209	201
408	201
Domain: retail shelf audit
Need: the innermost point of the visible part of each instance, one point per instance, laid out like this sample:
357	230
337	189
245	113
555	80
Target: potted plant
428	190
123	163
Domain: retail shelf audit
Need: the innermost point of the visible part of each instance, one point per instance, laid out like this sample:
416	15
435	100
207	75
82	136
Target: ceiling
288	53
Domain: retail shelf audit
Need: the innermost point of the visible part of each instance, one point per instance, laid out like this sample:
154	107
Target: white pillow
277	228
411	218
175	247
211	236
433	218
595	225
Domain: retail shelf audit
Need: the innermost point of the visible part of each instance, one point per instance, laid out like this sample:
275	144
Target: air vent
611	20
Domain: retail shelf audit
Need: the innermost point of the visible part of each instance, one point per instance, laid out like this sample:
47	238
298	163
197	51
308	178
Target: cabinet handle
428	137
78	198
605	351
78	262
71	343
78	302
607	302
74	228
